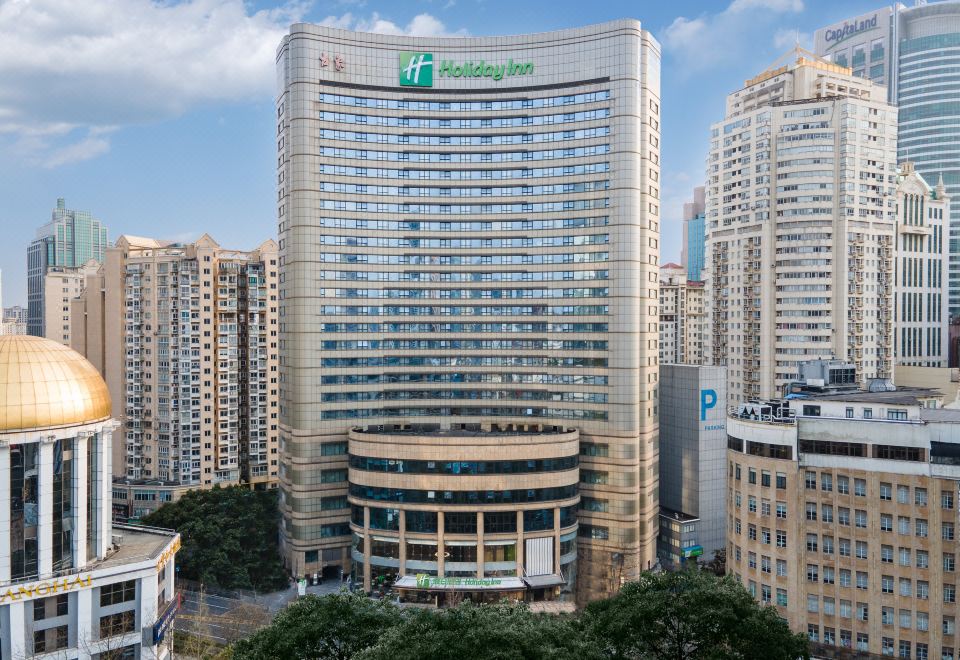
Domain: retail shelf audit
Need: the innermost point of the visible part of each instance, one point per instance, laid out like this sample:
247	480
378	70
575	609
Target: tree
334	627
482	632
717	565
689	615
229	537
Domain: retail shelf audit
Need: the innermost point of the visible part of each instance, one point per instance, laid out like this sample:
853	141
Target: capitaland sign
836	35
46	588
418	69
425	581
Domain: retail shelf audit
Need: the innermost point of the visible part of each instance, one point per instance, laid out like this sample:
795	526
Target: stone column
4	511
520	548
85	628
479	544
80	493
366	549
45	507
556	540
403	543
441	547
104	493
20	646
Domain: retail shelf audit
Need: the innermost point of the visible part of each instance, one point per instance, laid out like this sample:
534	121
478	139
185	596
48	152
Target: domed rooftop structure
44	384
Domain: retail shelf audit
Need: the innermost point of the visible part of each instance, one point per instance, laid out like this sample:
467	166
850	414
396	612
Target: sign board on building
165	620
46	588
417	69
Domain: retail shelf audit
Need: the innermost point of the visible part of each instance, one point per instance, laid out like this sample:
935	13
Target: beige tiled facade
681	317
186	337
61	284
800	227
481	251
846	521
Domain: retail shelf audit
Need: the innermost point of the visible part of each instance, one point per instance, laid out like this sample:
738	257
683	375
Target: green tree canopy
482	632
689	615
334	627
229	537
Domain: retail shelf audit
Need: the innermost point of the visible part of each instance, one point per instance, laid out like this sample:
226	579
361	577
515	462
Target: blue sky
158	116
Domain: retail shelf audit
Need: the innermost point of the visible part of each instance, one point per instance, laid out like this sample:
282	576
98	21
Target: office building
694	235
469	236
921	319
186	338
70	239
681	316
843	514
693	466
800	224
61	285
72	584
919	44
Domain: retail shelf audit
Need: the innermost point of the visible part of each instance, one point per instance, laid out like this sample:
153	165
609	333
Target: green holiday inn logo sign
425	581
417	69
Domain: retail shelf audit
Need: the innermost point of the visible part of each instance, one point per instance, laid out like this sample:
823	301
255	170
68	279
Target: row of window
557	413
496	276
468	209
465	106
467	395
465	157
464	310
471	377
464	140
413	496
464	260
469	294
463	467
465	175
486	122
474	191
463	243
464	361
536	326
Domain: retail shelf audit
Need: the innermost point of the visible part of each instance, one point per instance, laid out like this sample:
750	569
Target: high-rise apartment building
70	239
800	223
842	514
61	285
911	50
469	238
681	316
186	338
694	235
921	319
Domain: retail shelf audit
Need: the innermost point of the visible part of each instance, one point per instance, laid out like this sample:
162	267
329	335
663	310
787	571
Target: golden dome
44	384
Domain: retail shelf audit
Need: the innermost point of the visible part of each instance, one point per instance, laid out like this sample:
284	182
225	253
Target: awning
538	581
434	583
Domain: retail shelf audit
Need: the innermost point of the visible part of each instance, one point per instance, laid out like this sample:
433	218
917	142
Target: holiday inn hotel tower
469	241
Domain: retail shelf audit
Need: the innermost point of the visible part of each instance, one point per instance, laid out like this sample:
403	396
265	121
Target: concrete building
692	250
843	515
61	285
911	50
186	338
693	470
800	225
681	317
475	221
72	585
70	239
921	322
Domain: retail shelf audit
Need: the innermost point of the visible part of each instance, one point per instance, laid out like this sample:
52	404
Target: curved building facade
486	504
469	236
927	42
71	583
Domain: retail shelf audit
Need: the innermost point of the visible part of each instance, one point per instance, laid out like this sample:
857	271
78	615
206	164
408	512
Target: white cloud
68	69
421	25
715	40
794	6
87	148
785	39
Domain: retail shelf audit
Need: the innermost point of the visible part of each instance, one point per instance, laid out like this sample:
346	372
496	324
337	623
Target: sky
157	116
